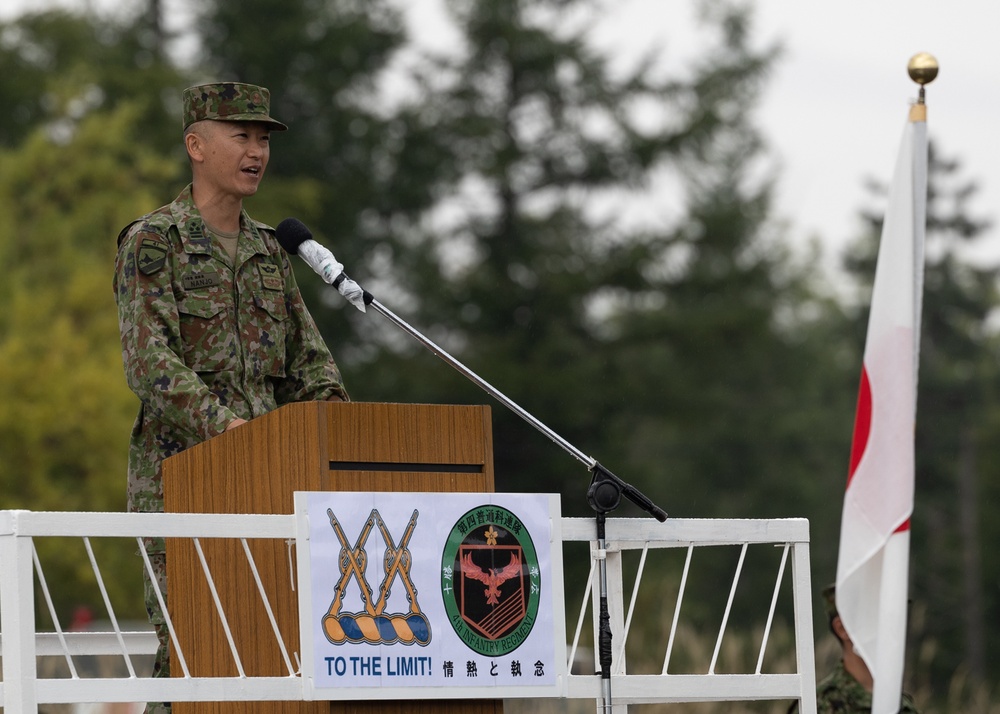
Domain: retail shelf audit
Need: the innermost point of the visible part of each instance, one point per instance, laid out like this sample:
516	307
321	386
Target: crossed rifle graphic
373	625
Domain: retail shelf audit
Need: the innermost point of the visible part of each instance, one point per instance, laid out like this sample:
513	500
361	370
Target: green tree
60	66
731	359
730	353
546	299
83	150
65	410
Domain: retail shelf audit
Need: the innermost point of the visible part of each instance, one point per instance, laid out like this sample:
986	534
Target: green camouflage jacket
205	342
840	693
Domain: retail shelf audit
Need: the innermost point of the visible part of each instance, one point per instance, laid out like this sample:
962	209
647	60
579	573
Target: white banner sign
430	595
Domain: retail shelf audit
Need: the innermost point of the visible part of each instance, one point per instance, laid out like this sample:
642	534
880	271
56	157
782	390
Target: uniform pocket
209	342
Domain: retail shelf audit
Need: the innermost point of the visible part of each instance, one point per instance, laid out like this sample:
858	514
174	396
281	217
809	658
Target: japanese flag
873	562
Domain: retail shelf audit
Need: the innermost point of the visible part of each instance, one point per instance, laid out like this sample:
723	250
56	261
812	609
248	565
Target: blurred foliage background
481	191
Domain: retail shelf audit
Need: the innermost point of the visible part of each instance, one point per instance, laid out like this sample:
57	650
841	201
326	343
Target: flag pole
923	69
893	593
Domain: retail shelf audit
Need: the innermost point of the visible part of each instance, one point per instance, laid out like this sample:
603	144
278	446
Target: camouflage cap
229	101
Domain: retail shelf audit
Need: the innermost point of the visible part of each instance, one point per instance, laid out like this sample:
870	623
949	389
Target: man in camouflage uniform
848	688
213	327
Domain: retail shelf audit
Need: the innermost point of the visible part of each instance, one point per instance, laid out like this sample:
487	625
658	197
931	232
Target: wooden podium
311	446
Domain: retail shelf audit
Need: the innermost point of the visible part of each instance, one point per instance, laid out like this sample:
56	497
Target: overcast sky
835	109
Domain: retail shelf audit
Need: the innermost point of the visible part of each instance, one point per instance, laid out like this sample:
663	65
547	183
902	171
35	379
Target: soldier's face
236	155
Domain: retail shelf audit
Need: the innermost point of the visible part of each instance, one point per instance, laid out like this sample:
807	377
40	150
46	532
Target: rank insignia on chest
270	277
193	281
152	255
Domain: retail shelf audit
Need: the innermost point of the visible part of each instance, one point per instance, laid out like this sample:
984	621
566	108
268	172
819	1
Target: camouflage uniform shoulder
263	228
268	235
149	239
158	222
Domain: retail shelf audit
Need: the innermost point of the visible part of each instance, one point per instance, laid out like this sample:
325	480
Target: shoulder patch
152	254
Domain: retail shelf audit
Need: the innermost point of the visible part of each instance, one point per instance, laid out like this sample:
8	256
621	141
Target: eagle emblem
494	578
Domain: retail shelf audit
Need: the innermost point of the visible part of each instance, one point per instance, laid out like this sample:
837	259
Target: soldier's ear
194	142
837	625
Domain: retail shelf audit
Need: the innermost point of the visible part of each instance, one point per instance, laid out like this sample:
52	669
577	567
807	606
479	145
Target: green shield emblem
152	256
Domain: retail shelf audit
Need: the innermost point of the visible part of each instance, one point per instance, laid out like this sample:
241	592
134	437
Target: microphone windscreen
291	233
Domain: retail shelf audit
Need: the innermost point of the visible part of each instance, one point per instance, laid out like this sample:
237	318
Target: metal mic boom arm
606	488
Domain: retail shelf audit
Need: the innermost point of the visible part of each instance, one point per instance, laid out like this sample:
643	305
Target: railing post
17	618
802	605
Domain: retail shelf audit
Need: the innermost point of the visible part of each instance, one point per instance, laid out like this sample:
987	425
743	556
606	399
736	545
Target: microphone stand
604	493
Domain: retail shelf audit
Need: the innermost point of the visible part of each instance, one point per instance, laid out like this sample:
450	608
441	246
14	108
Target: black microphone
297	239
291	232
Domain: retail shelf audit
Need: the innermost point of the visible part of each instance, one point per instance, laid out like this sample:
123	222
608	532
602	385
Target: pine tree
552	303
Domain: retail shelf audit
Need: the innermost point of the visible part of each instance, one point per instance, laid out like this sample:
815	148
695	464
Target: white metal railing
643	536
23	687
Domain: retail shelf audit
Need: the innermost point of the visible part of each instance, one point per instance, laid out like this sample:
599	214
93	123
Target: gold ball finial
922	68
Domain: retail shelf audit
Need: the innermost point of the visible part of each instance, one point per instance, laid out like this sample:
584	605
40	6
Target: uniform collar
194	235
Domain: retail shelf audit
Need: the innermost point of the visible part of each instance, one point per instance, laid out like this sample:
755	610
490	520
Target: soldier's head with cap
227	127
